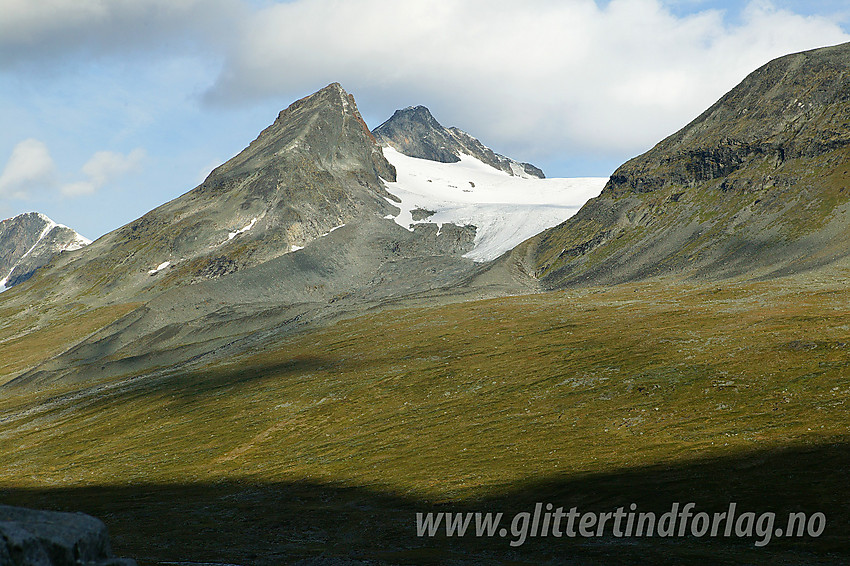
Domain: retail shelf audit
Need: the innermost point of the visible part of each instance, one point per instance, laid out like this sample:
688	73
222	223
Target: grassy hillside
29	336
328	441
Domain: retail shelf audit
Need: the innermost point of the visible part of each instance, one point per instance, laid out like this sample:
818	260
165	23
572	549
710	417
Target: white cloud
536	76
106	165
53	29
78	189
103	168
29	167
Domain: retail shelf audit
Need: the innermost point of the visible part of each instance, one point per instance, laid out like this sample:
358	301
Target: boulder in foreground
48	538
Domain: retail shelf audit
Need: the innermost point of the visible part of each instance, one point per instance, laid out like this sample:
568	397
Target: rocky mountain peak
415	132
326	126
315	168
29	241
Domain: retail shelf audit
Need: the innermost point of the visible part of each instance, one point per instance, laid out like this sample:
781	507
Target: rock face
414	132
46	538
756	186
29	241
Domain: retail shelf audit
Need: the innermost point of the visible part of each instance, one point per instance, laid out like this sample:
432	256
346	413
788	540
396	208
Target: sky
110	108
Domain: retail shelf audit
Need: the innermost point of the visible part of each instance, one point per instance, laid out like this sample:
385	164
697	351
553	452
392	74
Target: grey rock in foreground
47	538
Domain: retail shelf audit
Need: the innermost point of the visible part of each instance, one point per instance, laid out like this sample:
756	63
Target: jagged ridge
414	132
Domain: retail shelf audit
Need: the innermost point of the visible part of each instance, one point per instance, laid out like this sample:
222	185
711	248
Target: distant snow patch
505	209
331	230
44	232
294	248
79	241
518	171
247	227
159	268
75	245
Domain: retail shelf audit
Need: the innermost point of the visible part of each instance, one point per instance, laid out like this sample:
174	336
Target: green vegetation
26	341
652	392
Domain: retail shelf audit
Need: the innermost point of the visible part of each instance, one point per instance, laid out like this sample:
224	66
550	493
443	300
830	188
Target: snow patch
76	244
44	232
505	209
294	248
247	227
518	171
331	230
79	241
159	268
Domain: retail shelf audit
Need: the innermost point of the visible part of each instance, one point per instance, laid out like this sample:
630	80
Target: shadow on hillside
192	386
195	386
247	523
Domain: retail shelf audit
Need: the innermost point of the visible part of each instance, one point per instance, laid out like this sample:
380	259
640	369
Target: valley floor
329	441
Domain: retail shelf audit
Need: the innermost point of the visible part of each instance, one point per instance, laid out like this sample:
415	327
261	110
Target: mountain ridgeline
757	186
414	132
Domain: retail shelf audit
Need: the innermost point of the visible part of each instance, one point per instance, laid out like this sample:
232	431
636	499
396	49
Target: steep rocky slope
756	186
414	132
29	241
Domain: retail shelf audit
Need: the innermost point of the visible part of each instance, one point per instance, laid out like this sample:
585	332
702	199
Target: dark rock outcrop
46	538
414	132
755	186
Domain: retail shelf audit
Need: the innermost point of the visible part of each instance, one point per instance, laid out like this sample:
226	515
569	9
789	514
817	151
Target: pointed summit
414	132
326	125
316	167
